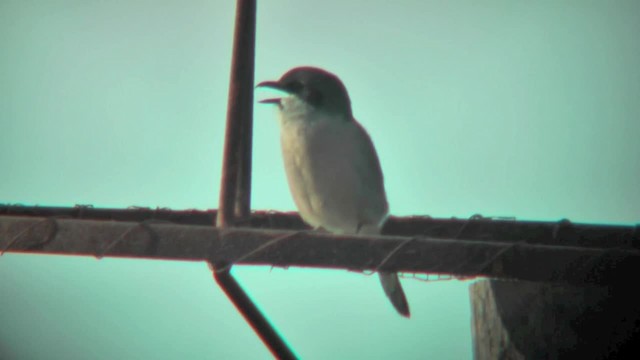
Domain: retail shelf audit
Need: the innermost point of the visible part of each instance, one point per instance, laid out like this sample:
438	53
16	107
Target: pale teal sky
503	108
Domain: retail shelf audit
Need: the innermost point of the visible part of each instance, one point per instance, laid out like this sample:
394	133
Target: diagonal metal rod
247	308
235	185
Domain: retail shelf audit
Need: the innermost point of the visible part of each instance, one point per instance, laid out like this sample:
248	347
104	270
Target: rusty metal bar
476	228
520	260
244	65
235	186
247	308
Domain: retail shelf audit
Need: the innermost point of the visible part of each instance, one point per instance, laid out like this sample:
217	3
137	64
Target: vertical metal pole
235	186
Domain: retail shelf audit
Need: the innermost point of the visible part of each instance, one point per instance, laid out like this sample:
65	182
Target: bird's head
314	88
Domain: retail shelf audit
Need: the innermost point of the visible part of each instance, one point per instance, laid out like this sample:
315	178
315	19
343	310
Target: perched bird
332	167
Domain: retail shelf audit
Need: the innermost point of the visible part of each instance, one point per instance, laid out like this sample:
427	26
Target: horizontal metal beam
156	239
477	227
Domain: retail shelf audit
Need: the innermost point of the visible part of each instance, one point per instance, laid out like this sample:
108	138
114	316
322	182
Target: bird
331	164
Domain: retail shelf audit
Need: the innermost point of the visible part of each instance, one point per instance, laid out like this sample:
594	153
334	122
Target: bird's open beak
272	85
270	101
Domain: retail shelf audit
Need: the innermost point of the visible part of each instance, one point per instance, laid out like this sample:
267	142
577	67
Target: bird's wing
373	195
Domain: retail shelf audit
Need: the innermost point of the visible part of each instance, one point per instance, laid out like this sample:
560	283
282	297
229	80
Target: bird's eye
313	97
305	91
295	86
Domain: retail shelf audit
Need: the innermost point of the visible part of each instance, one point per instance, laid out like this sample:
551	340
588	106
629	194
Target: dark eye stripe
295	86
313	97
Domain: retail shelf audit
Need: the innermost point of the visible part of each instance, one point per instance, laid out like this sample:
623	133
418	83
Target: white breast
333	172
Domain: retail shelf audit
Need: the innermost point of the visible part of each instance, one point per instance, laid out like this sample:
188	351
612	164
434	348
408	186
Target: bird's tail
390	281
393	289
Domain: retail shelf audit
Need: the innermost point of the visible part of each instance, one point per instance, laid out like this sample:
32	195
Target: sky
501	108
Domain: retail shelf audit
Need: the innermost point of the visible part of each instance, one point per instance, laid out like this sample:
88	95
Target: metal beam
420	254
477	227
235	185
